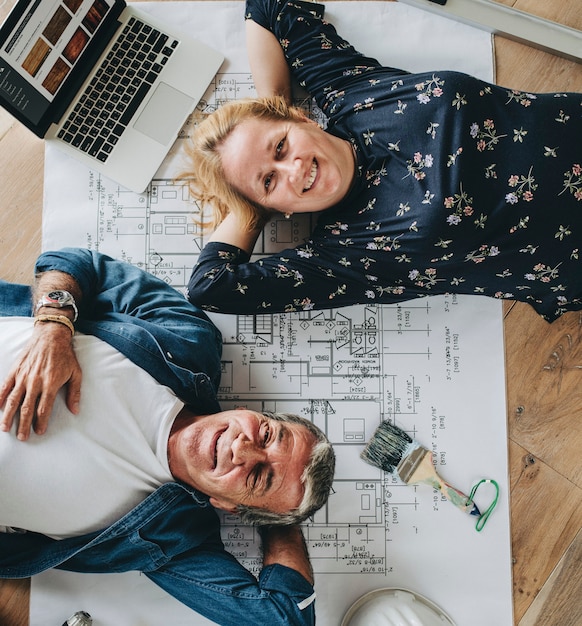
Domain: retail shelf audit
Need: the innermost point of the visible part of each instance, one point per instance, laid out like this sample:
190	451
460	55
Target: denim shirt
173	536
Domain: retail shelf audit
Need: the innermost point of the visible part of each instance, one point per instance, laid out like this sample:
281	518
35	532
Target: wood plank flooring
544	367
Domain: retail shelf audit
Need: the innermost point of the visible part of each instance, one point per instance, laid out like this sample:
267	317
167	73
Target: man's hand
285	545
47	364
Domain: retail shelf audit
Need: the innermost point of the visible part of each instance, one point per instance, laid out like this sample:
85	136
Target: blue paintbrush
392	450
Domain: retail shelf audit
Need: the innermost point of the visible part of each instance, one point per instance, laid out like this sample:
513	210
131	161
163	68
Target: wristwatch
58	299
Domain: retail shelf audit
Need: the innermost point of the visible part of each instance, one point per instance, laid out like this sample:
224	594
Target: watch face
57	295
58	299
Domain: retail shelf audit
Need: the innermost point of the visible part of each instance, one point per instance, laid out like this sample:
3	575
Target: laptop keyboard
112	97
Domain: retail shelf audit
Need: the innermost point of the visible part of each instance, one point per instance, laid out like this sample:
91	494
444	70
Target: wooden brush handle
425	472
458	498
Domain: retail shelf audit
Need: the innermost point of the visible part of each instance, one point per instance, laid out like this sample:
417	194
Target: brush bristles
387	446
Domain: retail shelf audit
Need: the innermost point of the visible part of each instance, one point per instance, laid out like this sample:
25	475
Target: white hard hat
395	607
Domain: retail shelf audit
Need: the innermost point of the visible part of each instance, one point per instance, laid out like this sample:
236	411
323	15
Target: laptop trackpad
158	119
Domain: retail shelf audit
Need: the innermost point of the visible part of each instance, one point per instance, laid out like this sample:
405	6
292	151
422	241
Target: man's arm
143	317
47	363
214	583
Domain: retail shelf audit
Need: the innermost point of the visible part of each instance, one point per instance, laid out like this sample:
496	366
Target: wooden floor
544	367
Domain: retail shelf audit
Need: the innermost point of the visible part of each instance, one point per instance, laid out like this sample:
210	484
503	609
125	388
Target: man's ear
224	505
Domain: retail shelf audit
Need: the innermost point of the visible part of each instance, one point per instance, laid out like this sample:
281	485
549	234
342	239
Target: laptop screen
44	49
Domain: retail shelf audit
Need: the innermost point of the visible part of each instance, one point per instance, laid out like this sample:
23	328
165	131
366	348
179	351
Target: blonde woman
423	183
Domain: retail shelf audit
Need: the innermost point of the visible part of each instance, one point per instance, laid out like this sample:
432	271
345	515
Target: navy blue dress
462	187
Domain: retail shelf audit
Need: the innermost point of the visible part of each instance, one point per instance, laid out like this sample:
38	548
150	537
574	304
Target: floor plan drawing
434	366
346	370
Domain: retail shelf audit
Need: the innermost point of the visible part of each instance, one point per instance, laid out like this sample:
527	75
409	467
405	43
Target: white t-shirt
90	469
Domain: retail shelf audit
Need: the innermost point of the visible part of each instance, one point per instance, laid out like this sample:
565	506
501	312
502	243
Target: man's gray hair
317	478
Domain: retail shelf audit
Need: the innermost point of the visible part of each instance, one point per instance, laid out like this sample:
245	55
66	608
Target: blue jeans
15	300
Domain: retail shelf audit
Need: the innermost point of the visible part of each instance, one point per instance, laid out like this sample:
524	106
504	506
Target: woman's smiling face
288	166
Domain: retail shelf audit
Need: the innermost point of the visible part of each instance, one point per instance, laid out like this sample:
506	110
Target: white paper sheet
436	366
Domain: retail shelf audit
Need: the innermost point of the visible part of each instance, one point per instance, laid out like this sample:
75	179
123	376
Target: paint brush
391	449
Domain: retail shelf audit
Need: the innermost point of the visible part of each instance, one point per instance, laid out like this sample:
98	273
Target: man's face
241	457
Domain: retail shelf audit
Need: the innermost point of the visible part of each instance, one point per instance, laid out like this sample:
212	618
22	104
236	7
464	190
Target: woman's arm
318	58
268	64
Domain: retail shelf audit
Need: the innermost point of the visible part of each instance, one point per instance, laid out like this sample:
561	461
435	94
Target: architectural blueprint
435	366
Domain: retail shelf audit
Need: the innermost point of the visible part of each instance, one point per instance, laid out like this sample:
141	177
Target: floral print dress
462	187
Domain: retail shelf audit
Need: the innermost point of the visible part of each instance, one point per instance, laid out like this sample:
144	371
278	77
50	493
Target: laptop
108	83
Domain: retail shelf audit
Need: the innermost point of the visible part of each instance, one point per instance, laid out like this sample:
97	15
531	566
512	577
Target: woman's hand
231	231
47	364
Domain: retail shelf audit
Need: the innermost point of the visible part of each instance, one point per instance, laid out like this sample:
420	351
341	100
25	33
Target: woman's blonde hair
206	179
